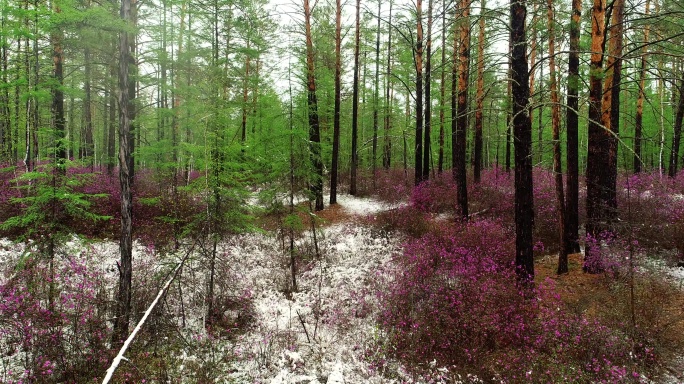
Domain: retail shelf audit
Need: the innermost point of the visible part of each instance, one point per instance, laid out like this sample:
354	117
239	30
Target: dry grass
657	317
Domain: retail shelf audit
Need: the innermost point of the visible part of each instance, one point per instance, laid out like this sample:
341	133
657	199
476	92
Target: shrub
53	325
453	299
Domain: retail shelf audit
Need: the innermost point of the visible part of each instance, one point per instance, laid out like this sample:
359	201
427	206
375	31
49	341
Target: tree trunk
245	95
522	136
111	133
477	159
5	119
462	111
88	111
418	59
376	99
572	123
316	185
428	100
355	103
610	115
509	108
123	302
132	91
60	152
676	138
387	148
555	122
336	118
598	139
442	94
176	101
639	117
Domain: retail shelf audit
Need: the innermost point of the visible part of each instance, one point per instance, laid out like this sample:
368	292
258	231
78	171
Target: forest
328	191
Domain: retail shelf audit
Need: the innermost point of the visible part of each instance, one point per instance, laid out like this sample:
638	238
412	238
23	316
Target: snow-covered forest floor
322	333
325	331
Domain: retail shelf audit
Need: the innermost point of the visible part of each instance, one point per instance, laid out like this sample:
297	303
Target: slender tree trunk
428	99
111	133
387	149
133	90
572	123
556	123
477	161
5	118
522	136
454	98
676	138
442	93
533	65
610	114
376	98
17	103
336	118
639	117
509	109
176	101
418	59
88	111
316	185
245	95
123	302
462	111
355	103
598	139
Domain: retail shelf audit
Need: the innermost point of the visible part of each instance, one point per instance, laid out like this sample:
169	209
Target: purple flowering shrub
393	186
653	209
53	324
453	299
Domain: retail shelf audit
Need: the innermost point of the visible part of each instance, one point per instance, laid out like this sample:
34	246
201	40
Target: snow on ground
320	333
364	205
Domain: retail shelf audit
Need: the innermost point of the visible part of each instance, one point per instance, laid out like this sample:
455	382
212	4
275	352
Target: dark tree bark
428	100
555	122
639	116
88	110
522	136
387	148
58	94
123	301
598	137
418	59
461	114
676	138
336	117
111	132
133	91
355	103
376	98
572	123
245	95
5	118
442	93
316	185
509	109
477	158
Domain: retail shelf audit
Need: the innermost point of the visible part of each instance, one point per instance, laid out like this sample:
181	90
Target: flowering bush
454	300
53	323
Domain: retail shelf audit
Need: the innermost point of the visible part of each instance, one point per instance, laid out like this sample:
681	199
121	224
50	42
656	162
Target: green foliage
51	204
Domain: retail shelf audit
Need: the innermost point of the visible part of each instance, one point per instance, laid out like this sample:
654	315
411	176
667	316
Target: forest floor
325	330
